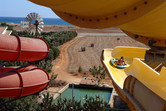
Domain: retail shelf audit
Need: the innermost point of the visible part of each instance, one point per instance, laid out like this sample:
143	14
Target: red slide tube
22	82
14	48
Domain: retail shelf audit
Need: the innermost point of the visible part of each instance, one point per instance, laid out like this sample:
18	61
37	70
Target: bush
50	55
52	80
80	69
46	64
28	103
99	72
56	52
61	37
90	104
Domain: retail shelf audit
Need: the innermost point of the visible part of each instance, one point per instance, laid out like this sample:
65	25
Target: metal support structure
36	24
156	55
72	97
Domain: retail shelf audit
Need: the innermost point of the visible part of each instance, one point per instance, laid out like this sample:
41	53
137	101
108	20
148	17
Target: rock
105	85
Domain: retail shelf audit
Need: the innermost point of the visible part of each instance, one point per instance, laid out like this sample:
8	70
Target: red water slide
27	80
14	48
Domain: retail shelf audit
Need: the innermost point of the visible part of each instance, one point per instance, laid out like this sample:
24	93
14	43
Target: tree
99	72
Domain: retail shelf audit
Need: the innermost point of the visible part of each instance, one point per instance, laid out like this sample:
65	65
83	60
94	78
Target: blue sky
21	8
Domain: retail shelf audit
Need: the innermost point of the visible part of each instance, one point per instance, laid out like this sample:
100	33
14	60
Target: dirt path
61	63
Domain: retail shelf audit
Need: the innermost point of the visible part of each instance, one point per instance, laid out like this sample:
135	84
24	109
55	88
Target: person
121	61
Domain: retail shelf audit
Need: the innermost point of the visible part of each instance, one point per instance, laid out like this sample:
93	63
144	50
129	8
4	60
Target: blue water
47	21
79	94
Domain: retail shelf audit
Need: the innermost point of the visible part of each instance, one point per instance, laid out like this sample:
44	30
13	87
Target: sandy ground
61	63
48	28
91	57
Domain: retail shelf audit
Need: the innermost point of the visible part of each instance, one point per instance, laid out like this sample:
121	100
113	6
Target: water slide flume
27	80
22	82
142	87
14	48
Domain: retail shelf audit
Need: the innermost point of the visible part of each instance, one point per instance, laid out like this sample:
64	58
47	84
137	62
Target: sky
21	8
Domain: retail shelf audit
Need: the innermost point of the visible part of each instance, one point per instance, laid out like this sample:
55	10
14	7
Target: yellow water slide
143	84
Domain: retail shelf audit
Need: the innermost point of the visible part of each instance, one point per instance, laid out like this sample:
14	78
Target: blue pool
80	93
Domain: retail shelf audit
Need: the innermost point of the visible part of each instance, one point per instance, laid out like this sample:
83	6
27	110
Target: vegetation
89	104
99	72
48	104
24	34
59	38
28	103
79	69
56	51
52	80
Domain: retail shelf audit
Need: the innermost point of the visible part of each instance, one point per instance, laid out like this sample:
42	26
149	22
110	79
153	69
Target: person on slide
121	61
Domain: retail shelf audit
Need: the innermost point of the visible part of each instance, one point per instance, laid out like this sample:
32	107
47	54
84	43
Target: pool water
80	93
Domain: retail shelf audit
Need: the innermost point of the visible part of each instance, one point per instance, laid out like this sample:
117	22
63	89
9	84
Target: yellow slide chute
141	85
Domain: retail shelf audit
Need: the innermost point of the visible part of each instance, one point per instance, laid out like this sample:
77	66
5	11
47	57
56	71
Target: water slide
139	85
21	81
142	84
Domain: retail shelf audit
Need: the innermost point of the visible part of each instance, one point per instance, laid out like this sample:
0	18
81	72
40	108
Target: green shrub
46	64
99	72
52	80
56	52
61	37
79	69
89	104
28	103
50	55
